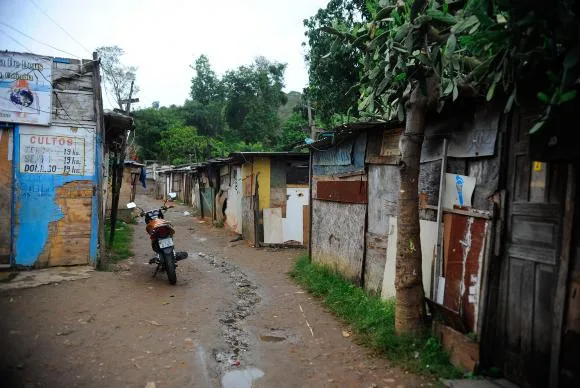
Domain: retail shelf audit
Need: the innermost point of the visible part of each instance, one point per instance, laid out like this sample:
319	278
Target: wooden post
118	174
439	254
310	173
562	282
101	144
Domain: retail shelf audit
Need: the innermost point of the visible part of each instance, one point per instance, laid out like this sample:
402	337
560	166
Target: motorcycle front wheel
170	266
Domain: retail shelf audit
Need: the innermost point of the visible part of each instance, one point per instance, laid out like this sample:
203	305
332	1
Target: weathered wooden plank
5	194
338	237
248	226
306	225
561	284
383	147
486	173
342	191
429	179
73	107
376	258
383	197
273	226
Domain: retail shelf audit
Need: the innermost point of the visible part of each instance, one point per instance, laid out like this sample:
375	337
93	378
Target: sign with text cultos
25	88
52	154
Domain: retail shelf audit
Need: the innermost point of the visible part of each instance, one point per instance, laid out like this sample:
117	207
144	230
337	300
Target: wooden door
530	263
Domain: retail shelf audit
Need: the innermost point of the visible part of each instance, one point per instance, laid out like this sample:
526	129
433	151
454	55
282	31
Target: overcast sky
163	37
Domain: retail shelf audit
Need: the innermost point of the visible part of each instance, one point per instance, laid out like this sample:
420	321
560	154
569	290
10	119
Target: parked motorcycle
161	233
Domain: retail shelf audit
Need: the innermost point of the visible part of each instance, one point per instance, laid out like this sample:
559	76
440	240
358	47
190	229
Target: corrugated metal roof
330	138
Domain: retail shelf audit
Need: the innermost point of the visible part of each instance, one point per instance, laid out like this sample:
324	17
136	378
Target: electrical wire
38	41
59	26
15	40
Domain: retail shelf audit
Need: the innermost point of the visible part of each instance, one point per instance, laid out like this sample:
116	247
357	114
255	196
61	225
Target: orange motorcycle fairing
155	224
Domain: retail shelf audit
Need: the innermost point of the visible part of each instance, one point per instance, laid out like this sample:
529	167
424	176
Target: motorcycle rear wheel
170	267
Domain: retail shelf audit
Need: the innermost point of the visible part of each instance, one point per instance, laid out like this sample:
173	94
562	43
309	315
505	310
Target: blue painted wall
34	208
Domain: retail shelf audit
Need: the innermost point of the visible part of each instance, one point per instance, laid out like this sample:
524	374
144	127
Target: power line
14	40
59	26
38	41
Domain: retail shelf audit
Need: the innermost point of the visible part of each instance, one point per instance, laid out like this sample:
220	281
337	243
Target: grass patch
373	321
121	247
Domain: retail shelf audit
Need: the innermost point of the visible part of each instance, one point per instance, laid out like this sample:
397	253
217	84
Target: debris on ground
238	238
54	275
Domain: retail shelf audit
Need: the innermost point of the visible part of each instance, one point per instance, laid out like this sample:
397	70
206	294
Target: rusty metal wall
464	241
342	191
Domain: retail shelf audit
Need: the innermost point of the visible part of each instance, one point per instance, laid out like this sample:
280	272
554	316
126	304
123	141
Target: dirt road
234	319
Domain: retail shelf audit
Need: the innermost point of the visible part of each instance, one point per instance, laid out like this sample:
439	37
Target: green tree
294	131
150	124
333	65
254	94
206	108
181	144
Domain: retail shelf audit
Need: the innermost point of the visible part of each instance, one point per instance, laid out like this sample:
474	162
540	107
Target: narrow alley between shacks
235	319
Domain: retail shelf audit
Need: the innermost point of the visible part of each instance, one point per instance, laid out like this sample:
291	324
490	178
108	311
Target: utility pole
311	159
118	169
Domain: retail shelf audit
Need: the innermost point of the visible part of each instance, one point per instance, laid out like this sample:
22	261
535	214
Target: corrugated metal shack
274	197
355	188
498	266
51	161
262	196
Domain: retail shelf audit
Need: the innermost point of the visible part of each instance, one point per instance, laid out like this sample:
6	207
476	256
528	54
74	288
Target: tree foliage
333	65
254	94
240	111
473	47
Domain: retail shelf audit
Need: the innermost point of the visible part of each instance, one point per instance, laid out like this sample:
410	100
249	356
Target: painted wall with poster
55	184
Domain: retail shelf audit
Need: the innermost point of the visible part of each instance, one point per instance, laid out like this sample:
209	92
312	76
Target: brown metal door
530	265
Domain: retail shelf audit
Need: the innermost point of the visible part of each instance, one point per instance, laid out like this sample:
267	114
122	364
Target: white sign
25	88
458	190
56	150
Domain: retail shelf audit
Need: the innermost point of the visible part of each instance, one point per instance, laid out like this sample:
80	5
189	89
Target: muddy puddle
242	378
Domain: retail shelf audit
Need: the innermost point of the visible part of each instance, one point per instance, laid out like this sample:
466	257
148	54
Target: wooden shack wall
570	362
6	147
338	236
234	209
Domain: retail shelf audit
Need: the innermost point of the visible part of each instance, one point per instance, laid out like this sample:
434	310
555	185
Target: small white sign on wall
56	150
458	191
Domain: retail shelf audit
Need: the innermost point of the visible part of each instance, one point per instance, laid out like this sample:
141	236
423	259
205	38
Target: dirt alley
234	319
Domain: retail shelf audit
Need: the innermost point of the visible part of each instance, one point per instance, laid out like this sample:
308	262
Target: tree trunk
410	304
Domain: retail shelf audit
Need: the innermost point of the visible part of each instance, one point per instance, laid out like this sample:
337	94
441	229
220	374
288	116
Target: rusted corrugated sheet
464	239
342	191
357	160
340	155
